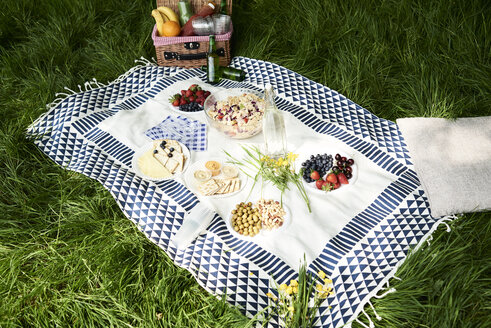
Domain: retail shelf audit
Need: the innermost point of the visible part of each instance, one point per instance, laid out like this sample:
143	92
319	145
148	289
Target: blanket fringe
388	290
89	85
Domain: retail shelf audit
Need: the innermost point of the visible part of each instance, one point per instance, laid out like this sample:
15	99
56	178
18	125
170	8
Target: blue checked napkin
192	133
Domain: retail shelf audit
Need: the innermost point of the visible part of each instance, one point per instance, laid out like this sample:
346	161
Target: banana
159	20
169	14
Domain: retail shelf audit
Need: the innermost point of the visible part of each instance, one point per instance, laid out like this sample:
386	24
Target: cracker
225	186
208	188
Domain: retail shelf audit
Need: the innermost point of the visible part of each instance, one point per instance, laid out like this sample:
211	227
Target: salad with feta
246	109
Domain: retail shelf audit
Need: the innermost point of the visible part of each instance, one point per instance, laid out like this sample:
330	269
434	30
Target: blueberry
155	151
171	149
169	154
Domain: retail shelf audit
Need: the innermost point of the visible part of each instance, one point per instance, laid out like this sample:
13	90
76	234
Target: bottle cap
269	88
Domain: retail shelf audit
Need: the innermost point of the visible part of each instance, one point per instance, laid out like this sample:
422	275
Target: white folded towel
453	161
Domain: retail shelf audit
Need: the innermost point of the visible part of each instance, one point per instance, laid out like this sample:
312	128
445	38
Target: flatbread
172	165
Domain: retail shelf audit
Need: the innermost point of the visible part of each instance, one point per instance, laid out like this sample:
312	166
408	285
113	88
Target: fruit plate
148	146
192	183
312	185
263	233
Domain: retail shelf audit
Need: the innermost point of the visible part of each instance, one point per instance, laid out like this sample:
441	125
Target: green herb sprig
280	172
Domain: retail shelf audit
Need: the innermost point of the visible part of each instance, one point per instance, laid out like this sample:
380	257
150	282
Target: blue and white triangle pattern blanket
360	256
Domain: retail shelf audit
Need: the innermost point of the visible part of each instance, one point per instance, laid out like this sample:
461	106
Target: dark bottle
223	7
212	61
229	73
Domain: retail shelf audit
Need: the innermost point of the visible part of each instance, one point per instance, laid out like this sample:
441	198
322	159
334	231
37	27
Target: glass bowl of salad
237	112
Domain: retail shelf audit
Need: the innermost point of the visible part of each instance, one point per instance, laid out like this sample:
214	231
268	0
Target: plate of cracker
161	159
214	178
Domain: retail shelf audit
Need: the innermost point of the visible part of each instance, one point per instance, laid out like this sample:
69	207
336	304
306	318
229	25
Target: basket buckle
191	45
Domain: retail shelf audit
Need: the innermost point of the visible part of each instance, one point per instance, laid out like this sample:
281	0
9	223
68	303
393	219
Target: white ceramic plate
140	151
263	232
311	186
193	184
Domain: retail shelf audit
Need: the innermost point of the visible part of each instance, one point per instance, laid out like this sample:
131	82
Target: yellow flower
289	290
326	288
264	158
320	287
291	309
321	274
291	156
283	286
327	281
295	289
293	283
269	295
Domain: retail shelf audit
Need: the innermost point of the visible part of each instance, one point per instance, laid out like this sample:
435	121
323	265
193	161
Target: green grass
69	257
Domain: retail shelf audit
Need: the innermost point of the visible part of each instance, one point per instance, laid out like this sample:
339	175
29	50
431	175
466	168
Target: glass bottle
185	11
273	126
223	7
212	61
230	73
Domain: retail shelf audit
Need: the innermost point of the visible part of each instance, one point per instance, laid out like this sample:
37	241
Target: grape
348	175
351	161
338	157
343	159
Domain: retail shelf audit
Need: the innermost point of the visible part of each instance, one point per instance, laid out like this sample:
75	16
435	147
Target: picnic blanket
358	238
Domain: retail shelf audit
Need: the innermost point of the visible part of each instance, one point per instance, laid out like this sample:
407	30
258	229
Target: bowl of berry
190	100
327	172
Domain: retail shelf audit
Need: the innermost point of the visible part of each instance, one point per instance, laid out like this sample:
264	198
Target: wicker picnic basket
190	51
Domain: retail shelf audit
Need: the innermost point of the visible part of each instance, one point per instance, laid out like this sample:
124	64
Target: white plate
311	186
264	233
193	184
140	151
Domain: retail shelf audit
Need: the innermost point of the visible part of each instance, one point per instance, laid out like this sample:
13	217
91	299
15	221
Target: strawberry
327	186
319	183
207	93
189	93
183	92
314	175
200	93
193	87
342	178
191	99
331	177
182	101
174	100
337	185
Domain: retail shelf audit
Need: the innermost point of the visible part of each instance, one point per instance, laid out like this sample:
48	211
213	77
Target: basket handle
168	55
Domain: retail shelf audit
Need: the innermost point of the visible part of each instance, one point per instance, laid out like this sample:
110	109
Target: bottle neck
212	47
269	98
